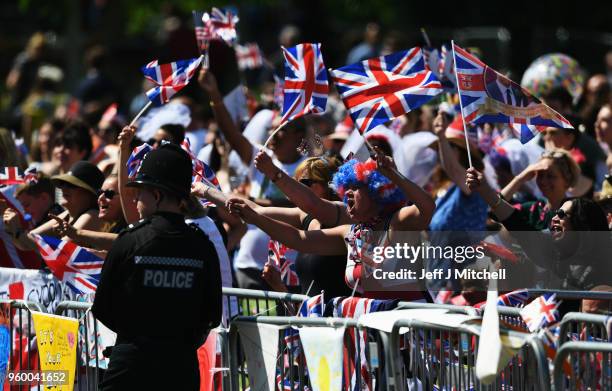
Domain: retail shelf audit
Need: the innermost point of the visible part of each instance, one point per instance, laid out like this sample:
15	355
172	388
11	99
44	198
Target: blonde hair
567	166
320	169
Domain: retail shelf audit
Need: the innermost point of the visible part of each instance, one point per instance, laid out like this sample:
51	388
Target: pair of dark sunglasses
560	213
108	194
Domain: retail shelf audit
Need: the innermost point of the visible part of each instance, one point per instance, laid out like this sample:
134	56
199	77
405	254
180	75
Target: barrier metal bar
584	359
576	295
428	364
377	344
88	377
584	327
467	310
259	302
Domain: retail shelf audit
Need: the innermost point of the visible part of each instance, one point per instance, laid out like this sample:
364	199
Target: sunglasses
108	194
560	213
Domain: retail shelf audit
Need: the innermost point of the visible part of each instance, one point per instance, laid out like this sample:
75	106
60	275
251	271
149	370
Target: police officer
160	288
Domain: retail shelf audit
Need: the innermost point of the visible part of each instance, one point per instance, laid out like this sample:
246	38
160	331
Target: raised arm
328	213
126	195
233	135
476	181
448	158
525	176
84	237
321	242
417	216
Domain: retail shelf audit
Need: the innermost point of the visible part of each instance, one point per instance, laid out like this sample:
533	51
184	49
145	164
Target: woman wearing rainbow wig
384	206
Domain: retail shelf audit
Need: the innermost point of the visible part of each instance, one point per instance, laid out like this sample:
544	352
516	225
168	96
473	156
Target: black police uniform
160	291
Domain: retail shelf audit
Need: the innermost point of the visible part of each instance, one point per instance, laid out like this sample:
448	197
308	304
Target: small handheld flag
249	56
135	159
306	87
380	89
169	78
542	312
221	24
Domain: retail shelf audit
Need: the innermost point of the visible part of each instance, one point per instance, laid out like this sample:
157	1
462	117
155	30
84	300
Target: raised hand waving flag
380	89
169	78
488	96
305	87
69	263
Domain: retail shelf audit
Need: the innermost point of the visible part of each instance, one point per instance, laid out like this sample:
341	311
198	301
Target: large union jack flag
488	96
305	89
169	78
377	90
221	24
541	312
69	263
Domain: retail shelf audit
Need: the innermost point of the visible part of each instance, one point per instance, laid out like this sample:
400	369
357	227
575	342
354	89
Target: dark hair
42	184
76	134
297	125
587	215
176	132
560	94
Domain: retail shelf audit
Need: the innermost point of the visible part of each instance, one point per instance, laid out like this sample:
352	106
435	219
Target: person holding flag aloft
376	196
253	253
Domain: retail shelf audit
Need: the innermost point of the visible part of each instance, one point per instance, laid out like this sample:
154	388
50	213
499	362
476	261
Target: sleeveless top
324	272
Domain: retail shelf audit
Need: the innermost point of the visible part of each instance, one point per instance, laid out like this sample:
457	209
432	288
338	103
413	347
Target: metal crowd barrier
88	374
253	302
589	366
24	354
578	326
293	375
444	358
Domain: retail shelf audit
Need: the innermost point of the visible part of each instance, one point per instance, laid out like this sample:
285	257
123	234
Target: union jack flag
489	97
221	24
377	90
169	78
279	93
14	176
306	88
354	307
313	307
541	312
249	56
202	32
201	171
277	255
516	298
135	160
69	263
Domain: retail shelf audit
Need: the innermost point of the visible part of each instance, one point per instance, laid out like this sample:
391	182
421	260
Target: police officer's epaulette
134	226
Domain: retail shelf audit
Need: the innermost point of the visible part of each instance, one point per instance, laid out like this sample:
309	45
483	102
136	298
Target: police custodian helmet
167	167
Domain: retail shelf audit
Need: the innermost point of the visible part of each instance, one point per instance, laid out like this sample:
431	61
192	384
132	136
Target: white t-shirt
253	252
207	225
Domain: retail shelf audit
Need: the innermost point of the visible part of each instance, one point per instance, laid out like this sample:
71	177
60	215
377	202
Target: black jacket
160	280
